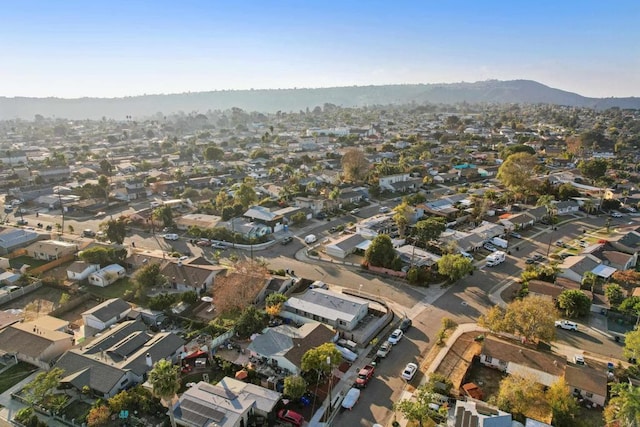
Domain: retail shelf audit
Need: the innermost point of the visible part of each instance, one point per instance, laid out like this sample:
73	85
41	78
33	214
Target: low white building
80	270
107	275
338	310
106	314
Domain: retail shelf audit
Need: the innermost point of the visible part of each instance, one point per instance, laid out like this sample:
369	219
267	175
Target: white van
311	238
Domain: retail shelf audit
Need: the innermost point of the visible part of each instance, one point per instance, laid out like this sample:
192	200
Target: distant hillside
492	91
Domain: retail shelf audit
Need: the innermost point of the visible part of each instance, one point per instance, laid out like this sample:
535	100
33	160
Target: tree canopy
165	382
103	255
295	386
316	358
632	344
593	168
417	409
624	406
517	172
574	303
354	165
381	252
454	266
522	396
115	229
532	317
430	228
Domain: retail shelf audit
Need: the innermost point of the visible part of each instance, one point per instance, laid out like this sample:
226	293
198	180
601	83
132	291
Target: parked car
22	221
384	349
364	376
616	215
395	337
286	240
354	211
515	235
560	244
170	236
311	238
538	257
351	398
567	324
88	233
321	215
578	359
489	247
203	243
405	324
409	371
529	260
292	417
583	243
384	209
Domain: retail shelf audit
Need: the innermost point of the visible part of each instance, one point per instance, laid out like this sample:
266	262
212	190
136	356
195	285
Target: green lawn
14	375
114	290
19	261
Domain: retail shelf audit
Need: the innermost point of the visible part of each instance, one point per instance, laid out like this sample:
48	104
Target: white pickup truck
567	324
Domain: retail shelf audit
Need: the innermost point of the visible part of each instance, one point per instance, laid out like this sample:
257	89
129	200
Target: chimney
149	361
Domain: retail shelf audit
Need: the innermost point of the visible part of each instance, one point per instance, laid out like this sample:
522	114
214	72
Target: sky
116	48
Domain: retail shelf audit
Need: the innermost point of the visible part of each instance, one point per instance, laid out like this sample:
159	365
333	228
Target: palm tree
624	407
165	380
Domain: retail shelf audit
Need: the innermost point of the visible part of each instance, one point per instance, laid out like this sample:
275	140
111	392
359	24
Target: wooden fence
53	264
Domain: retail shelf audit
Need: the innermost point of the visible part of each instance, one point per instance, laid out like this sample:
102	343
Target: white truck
501	243
495	258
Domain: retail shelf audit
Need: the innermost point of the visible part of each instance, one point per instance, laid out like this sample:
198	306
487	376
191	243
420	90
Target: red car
291	417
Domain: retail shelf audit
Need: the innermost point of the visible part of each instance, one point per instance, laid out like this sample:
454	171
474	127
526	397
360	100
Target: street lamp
360	289
330	381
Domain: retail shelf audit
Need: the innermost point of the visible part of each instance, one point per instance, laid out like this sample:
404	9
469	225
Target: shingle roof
108	309
96	373
587	379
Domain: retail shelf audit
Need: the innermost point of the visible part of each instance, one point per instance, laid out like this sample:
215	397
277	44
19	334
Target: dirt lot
39	302
486	378
456	363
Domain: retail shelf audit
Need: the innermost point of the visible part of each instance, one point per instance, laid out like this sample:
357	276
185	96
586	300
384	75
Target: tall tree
165	381
574	302
380	252
295	386
593	168
245	195
533	318
564	406
455	267
417	408
623	409
164	214
42	387
523	396
321	358
116	230
402	215
354	165
517	173
430	228
632	344
615	294
105	167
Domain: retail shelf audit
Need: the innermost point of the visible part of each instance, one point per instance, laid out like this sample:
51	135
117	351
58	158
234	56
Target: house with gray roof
574	267
344	245
119	359
17	238
34	343
226	404
106	314
322	305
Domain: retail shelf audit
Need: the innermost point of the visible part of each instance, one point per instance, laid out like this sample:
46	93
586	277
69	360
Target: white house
344	245
107	275
338	310
80	270
106	314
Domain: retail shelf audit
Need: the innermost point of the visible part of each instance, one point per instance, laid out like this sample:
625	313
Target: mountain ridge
272	100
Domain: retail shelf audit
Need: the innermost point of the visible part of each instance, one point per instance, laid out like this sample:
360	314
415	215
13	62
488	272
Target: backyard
77	411
14	375
21	260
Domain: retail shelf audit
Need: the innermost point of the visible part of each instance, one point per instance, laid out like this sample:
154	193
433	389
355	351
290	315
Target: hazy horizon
123	49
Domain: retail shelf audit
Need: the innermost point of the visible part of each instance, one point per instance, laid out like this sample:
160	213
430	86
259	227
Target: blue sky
118	48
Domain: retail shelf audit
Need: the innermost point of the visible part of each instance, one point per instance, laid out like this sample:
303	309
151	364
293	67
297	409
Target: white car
384	209
395	337
489	247
409	371
170	236
567	324
616	215
351	398
578	359
311	238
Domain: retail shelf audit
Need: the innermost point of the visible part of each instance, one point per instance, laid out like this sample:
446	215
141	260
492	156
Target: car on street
384	349
560	244
538	257
351	398
88	233
22	222
203	243
354	211
578	359
405	324
286	240
384	209
311	238
566	324
170	236
489	247
364	376
583	243
616	215
529	260
515	235
395	336
100	214
409	371
183	258
291	417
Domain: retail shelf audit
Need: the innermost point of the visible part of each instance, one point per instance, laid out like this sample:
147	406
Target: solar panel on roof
197	411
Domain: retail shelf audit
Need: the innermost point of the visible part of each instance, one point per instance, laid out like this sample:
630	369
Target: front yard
14	375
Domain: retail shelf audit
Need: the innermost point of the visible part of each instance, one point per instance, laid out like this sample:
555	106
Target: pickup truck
364	376
567	324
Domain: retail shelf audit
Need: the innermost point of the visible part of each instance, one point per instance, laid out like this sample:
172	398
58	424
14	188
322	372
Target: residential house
106	314
628	243
186	276
395	182
17	238
520	221
341	311
314	204
249	230
567	207
49	250
538	213
551	290
587	383
202	221
514	359
414	256
262	215
278	284
574	267
80	270
38	342
107	275
611	257
285	345
226	404
119	359
346	244
53	174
